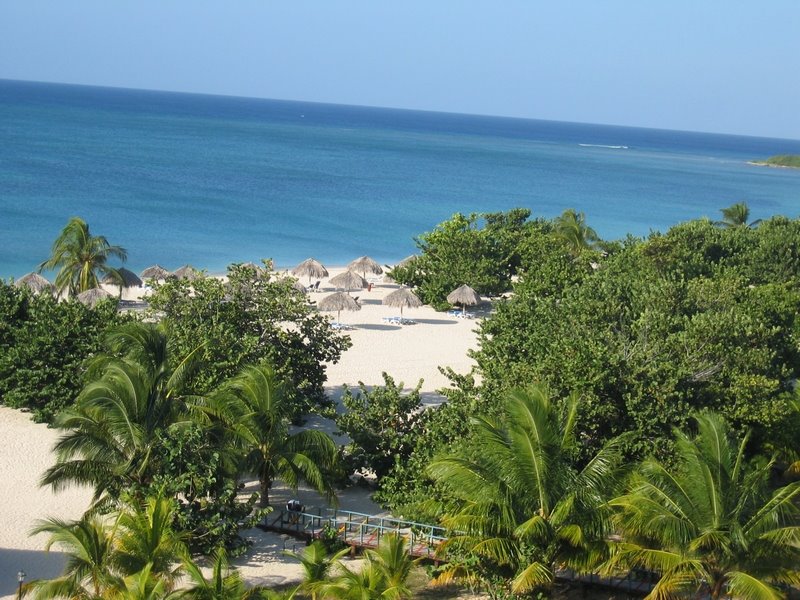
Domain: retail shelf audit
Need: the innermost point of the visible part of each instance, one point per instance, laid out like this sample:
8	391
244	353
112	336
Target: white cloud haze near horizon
712	66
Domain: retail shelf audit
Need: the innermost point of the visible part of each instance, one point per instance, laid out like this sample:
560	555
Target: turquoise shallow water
179	178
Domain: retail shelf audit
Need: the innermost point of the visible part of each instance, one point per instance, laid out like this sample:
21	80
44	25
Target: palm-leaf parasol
126	278
364	264
310	268
402	298
299	287
338	301
349	281
465	296
91	297
155	272
35	283
186	272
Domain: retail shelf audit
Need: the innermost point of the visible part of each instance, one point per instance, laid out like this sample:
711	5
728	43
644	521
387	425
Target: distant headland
791	161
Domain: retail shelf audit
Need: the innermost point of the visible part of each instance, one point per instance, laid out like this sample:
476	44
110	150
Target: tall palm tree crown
710	525
518	501
80	258
737	215
256	410
111	430
572	229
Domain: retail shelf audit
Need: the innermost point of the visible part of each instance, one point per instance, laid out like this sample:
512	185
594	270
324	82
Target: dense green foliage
44	345
711	525
478	250
782	160
81	258
254	317
515	501
699	317
382	424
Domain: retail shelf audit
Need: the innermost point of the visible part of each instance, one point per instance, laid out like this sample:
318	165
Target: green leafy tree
111	432
80	258
480	250
44	345
254	407
515	500
710	524
256	316
382	424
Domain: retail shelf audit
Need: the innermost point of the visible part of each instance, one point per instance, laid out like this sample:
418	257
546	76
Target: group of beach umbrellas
311	268
350	280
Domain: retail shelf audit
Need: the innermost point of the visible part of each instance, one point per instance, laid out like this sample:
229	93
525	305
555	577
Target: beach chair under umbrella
402	298
465	296
338	301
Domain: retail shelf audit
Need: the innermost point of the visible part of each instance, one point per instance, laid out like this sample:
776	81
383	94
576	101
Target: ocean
209	180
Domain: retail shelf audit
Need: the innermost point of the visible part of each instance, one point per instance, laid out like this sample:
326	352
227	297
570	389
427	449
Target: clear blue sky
708	65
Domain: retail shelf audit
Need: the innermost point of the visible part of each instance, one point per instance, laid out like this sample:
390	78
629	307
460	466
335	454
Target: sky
725	66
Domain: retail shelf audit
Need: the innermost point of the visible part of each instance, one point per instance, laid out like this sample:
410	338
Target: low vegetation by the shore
632	408
780	160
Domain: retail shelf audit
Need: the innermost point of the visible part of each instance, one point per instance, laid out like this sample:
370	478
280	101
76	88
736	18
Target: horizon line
398	108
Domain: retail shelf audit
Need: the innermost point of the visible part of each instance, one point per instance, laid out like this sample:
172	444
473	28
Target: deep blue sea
209	180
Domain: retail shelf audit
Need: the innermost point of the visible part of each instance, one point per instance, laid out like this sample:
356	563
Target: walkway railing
358	530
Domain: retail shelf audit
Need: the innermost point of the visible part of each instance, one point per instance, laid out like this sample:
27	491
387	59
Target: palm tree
132	554
145	539
571	228
516	501
317	564
88	572
385	574
80	256
710	525
225	583
736	215
111	430
257	412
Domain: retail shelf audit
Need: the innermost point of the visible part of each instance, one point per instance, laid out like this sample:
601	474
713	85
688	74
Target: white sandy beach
407	352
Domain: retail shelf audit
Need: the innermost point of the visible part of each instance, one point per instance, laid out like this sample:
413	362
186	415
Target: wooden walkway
357	530
360	531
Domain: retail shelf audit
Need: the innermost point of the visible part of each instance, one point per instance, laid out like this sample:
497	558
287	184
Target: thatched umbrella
349	281
338	301
126	279
402	298
407	261
155	272
91	297
250	265
35	283
186	272
299	287
364	264
465	296
310	268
